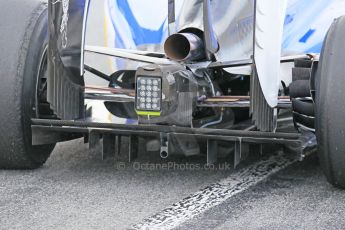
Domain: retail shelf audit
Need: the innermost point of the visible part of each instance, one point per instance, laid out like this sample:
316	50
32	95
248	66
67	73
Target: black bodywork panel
65	83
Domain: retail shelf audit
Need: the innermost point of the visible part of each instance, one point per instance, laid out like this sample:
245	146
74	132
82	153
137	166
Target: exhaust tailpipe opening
184	47
164	154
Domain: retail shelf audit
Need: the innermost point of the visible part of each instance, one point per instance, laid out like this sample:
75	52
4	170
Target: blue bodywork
306	23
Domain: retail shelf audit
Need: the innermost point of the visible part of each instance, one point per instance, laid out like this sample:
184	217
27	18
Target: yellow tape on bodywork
148	113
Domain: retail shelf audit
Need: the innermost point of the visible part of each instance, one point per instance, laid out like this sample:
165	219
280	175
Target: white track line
215	194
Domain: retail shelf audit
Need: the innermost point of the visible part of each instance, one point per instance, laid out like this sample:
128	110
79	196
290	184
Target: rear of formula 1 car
208	85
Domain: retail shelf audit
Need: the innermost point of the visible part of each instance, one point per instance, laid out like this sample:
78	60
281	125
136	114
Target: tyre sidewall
37	47
330	106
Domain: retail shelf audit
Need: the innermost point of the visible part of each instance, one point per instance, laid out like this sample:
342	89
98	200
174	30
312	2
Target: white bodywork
233	26
269	28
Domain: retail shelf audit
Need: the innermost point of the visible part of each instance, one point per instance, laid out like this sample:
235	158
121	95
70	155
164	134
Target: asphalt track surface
76	189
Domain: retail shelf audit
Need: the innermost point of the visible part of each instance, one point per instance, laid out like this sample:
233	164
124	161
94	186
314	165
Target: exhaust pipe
184	47
164	154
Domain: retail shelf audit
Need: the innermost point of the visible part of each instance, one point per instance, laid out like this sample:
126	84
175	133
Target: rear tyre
330	105
23	47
